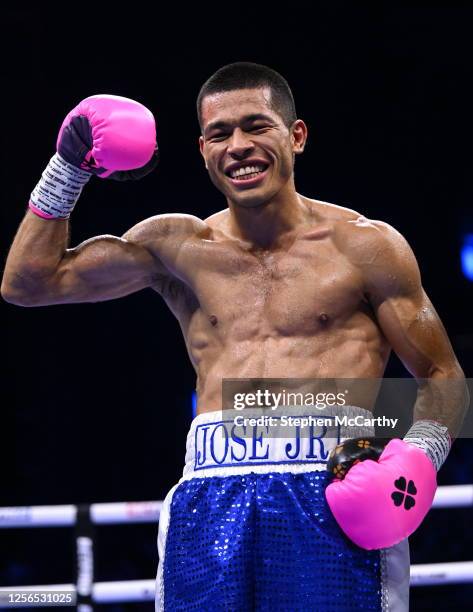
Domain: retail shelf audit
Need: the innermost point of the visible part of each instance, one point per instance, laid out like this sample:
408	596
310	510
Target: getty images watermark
265	398
271	400
332	407
28	597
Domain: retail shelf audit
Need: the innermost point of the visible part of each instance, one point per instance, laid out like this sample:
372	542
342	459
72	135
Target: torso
299	311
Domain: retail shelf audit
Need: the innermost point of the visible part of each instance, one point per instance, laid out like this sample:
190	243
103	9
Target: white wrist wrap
431	437
58	190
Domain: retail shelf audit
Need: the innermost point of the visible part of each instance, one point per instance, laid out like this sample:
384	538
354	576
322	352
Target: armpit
176	293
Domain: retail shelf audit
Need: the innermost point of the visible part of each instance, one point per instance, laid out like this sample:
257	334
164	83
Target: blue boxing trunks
248	528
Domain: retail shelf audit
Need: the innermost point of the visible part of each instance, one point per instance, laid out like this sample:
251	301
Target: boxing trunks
248	528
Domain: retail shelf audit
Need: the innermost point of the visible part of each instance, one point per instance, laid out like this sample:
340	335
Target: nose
239	144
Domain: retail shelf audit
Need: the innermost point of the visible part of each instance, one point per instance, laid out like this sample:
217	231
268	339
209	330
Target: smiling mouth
247	173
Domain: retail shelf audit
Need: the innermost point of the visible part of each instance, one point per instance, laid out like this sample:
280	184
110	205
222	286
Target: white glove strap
431	437
58	189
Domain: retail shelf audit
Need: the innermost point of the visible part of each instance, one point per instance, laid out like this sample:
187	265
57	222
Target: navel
323	318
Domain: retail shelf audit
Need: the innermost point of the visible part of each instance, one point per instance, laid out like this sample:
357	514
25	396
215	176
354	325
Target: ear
298	136
201	148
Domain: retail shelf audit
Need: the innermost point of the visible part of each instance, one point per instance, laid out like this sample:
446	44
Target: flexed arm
41	270
110	137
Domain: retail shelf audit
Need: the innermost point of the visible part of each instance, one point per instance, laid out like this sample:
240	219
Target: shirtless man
275	285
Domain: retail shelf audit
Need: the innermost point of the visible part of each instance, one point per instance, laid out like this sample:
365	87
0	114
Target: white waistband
219	445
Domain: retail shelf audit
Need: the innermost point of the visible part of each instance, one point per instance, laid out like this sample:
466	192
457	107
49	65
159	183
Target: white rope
126	512
59	516
144	590
442	573
131	590
455	496
37	516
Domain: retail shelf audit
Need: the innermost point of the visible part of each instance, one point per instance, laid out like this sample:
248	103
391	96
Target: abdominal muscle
340	354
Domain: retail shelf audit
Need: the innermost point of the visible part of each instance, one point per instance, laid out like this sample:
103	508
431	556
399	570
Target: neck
265	225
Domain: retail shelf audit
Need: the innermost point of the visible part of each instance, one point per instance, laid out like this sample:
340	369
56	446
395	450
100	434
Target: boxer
275	285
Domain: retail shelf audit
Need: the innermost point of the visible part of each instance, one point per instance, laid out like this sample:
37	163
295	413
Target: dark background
96	398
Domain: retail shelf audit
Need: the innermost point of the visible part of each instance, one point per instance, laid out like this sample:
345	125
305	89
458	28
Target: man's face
248	150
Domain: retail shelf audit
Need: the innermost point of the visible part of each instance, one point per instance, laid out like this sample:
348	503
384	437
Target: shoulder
384	258
376	248
359	237
164	226
373	242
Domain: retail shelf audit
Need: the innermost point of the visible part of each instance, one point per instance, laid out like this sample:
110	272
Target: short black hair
247	75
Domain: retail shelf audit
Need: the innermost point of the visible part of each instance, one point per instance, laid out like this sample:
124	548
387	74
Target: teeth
247	170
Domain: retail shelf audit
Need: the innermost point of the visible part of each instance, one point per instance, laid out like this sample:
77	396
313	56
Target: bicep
108	267
102	268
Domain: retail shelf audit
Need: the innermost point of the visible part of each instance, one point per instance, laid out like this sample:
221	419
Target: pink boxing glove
109	136
379	503
104	134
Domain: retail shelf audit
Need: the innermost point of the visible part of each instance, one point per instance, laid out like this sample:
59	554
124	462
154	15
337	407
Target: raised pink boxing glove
109	136
379	503
104	134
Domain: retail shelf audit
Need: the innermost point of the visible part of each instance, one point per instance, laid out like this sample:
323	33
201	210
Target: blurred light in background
467	256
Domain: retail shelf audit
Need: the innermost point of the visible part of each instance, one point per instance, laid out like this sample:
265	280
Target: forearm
441	404
41	240
443	397
34	257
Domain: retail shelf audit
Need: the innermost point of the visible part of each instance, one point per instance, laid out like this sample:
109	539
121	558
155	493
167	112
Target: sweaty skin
276	285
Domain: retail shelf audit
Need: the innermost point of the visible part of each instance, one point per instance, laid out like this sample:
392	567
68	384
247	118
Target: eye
218	137
258	128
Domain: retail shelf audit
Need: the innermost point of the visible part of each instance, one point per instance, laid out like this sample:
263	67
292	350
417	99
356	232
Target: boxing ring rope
120	591
63	516
455	496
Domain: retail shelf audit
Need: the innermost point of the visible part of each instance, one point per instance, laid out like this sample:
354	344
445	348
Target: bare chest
280	293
